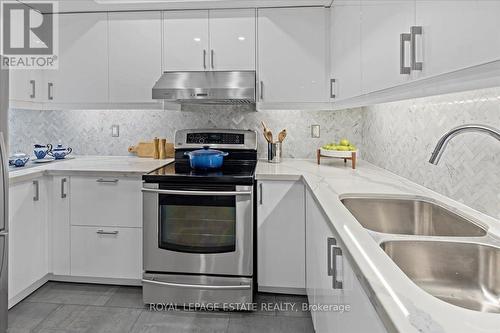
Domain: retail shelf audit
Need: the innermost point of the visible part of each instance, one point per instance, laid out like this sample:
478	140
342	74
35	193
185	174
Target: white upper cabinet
135	55
232	39
345	50
382	24
209	40
186	41
292	55
26	86
457	34
82	76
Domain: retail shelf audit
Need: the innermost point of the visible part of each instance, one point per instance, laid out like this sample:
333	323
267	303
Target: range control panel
215	138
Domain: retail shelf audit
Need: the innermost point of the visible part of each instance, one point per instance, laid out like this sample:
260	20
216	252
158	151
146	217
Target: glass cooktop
241	172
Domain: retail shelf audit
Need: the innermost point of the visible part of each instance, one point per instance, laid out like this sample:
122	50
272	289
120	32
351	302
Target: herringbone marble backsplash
401	136
89	132
397	136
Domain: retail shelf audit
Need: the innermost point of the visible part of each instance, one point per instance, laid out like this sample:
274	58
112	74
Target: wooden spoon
282	136
268	135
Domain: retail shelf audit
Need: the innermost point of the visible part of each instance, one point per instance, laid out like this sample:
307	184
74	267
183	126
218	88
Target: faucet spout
445	139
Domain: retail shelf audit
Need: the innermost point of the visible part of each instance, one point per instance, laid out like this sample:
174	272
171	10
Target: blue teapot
60	152
19	160
41	151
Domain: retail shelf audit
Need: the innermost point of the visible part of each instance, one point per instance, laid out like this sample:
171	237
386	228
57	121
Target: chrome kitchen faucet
443	142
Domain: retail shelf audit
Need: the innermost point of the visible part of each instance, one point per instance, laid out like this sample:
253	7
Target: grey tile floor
77	308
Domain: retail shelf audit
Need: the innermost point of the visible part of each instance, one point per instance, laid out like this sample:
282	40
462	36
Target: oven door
198	229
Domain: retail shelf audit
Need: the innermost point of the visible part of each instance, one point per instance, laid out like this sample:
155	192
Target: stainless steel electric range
199	225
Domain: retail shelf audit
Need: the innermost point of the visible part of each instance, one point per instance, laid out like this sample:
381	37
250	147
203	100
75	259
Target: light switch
315	131
115	131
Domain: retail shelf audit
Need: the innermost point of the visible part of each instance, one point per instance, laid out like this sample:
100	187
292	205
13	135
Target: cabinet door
106	201
292	55
82	76
458	34
134	55
106	252
345	34
281	236
354	295
28	252
60	225
26	86
324	321
186	40
382	24
232	39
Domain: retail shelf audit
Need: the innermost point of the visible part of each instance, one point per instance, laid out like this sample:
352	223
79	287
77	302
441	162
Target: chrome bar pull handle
36	197
332	88
205	59
33	89
414	32
50	91
108	181
212	54
261	90
4	178
198	193
102	232
63	193
333	252
403	39
261	187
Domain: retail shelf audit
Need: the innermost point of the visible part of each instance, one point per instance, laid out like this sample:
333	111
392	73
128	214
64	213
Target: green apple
345	142
342	148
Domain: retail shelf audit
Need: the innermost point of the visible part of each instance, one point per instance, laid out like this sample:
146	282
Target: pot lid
206	151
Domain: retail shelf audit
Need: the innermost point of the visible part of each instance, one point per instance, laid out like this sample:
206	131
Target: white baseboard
28	291
283	290
95	280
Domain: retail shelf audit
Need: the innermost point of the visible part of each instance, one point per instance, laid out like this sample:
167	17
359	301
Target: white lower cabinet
326	263
96	227
106	227
28	232
281	236
60	225
106	252
106	201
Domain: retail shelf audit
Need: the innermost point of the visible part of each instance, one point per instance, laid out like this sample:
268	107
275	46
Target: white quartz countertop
402	305
116	165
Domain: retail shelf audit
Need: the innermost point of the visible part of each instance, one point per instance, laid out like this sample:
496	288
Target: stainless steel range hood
204	87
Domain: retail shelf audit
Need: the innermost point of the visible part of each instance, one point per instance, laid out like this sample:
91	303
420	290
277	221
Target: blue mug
41	151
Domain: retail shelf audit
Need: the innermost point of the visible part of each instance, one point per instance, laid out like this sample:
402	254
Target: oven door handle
197	286
207	193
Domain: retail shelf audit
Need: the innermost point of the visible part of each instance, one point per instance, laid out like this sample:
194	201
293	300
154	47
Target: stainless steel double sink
450	256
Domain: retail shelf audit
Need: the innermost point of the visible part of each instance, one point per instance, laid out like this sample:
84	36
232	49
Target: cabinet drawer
106	201
106	252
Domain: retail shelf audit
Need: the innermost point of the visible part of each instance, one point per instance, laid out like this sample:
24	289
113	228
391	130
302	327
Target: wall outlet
315	131
115	131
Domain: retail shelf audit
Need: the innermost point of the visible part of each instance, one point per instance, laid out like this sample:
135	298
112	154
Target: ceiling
124	5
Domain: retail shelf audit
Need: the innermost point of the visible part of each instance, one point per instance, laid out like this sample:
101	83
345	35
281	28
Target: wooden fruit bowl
345	155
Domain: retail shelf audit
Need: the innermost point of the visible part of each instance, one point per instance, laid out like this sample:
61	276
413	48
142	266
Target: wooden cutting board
143	149
147	149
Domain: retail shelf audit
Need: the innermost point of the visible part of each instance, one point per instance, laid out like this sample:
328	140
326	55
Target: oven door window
197	224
